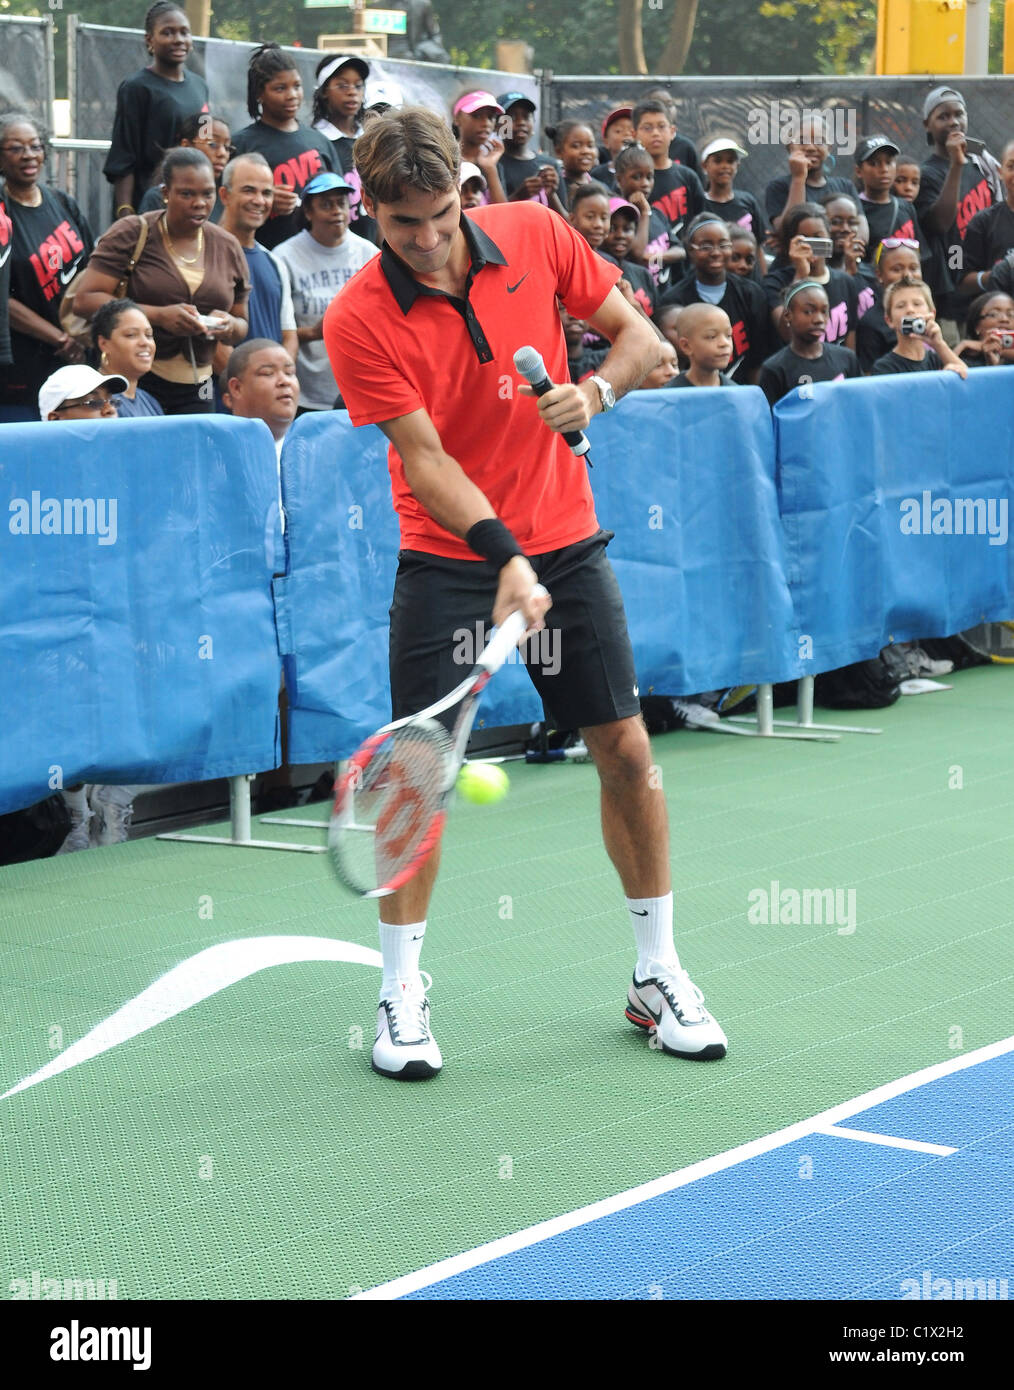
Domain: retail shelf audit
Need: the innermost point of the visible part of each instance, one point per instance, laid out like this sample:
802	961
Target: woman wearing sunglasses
893	259
50	241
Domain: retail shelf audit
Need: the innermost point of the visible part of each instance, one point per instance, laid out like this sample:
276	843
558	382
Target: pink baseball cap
471	102
616	204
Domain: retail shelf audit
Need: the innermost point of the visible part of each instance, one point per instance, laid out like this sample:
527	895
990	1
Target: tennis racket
391	802
992	640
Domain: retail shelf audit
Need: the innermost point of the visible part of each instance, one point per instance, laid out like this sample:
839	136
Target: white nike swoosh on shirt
6	254
188	983
68	274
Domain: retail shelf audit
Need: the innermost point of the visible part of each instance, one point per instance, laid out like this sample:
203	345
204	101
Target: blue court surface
818	1215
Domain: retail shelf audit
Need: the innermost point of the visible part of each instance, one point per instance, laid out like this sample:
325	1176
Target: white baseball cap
68	383
470	171
713	147
383	89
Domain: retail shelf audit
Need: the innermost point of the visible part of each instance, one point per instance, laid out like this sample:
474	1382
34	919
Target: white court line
890	1141
533	1235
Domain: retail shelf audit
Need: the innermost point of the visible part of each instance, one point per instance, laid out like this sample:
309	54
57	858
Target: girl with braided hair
295	152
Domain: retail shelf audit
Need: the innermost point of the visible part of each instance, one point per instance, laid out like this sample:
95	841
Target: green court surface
243	1148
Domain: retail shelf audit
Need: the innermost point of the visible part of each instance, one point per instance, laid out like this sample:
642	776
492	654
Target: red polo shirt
396	346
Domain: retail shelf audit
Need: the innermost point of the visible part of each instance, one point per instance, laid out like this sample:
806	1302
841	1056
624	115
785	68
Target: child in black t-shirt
681	150
887	214
746	259
705	341
874	336
151	105
990	329
709	282
656	244
581	361
799	261
617	131
909	310
806	180
907	178
294	152
677	190
843	220
526	174
720	159
574	143
624	220
808	358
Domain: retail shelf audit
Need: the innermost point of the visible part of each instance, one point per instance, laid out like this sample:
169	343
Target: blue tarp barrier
697	552
867	470
686	481
137	639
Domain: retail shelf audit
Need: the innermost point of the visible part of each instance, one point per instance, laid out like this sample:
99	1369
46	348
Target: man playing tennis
491	501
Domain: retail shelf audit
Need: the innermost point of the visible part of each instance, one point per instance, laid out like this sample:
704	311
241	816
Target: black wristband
492	540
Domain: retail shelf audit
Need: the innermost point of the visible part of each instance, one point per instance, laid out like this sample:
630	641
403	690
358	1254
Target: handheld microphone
531	366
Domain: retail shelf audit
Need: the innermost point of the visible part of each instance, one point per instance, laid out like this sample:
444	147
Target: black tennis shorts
581	663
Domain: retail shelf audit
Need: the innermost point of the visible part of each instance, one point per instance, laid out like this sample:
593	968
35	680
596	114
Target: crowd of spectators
208	290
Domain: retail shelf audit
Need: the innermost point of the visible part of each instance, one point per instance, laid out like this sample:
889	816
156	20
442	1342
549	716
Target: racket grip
506	638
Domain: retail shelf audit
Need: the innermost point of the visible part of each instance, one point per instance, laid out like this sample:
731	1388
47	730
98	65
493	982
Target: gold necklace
186	260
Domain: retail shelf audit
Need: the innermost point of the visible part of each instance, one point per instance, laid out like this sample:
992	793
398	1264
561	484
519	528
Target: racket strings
389	803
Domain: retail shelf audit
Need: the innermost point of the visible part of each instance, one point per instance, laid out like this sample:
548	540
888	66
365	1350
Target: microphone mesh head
530	364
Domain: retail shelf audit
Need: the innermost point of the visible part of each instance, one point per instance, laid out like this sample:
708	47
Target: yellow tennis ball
483	783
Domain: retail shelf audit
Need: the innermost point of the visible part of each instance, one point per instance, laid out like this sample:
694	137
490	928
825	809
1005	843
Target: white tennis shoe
670	1005
405	1049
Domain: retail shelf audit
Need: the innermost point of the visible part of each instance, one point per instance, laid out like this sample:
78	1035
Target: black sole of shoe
714	1053
411	1071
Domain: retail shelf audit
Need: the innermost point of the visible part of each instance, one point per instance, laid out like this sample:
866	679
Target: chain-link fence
100	57
26	71
757	111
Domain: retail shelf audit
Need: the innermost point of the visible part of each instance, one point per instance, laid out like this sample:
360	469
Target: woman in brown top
191	281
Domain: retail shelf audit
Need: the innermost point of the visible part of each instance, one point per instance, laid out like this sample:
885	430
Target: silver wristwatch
607	396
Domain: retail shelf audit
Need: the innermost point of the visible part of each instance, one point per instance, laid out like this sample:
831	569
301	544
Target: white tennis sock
400	948
651	919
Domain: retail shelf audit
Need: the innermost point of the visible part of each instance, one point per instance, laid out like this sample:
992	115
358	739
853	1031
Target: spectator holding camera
990	329
909	310
894	258
806	244
190	280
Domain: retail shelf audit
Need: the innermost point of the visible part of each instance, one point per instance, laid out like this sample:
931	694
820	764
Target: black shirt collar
406	288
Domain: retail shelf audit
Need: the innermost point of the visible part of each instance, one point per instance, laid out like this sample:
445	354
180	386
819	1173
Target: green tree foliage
846	31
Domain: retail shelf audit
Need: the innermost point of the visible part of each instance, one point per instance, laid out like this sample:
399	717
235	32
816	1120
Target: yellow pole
1008	36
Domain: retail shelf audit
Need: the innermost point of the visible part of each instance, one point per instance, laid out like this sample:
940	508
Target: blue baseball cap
510	99
326	183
